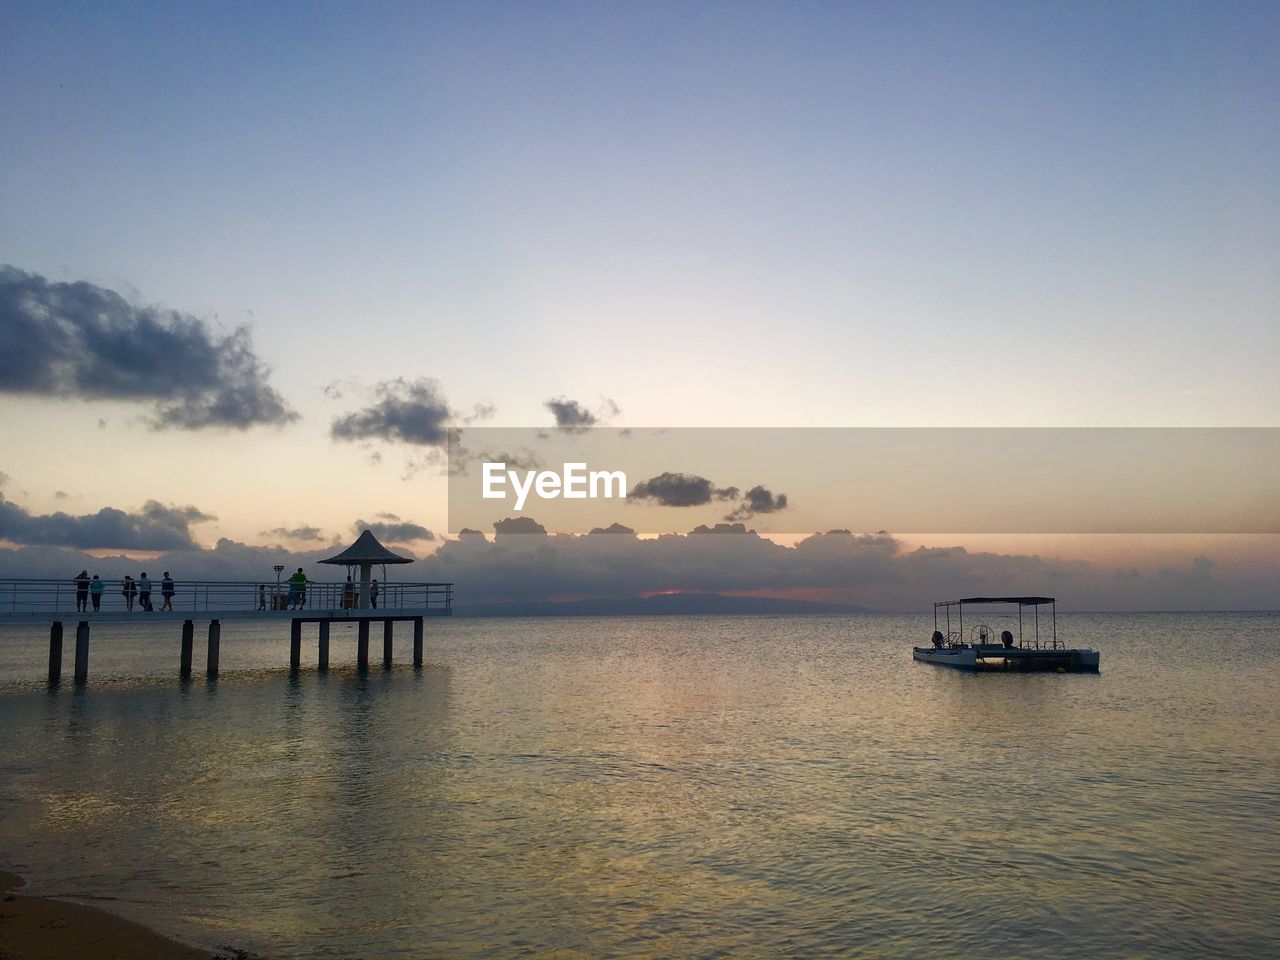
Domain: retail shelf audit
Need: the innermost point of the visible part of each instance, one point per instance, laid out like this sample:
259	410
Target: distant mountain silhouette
663	604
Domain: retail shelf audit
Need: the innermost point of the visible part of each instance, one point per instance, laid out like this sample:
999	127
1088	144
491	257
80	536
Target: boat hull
1009	659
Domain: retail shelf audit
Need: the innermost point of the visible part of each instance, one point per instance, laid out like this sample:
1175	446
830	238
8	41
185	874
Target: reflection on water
663	787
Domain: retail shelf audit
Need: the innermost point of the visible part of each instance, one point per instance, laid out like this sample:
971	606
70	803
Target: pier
210	602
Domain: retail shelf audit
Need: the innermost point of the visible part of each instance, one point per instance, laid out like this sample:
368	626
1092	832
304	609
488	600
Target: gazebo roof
366	549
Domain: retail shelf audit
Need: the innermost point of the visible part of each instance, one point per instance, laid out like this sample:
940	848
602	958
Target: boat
983	650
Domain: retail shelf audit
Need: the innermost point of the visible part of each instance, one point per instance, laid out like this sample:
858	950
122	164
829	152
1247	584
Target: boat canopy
1021	601
1034	602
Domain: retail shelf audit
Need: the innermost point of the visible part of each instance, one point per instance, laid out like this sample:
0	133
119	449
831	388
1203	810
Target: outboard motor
939	641
1007	638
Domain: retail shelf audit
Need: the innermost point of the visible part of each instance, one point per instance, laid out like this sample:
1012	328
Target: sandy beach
35	928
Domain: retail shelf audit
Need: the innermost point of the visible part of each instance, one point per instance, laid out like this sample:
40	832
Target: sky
724	215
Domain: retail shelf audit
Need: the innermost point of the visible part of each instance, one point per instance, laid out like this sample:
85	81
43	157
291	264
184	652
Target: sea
667	786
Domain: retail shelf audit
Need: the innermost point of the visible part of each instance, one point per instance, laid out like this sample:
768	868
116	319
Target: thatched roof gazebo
365	553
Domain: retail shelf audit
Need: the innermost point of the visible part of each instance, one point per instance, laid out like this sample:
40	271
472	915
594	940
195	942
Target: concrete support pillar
295	644
215	647
55	652
82	651
324	644
362	644
188	637
387	658
417	641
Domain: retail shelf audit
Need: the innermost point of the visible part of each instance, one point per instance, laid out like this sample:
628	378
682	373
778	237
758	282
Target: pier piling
55	652
324	645
188	638
215	645
387	655
362	645
82	651
417	641
295	644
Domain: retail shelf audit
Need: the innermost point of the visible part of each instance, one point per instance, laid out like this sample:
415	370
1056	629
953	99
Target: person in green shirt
298	589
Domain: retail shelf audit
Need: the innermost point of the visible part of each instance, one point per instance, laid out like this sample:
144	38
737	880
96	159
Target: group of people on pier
89	589
291	595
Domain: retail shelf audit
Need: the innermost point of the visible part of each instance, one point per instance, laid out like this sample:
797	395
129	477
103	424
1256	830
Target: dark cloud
84	341
393	530
295	533
614	528
681	490
573	416
518	525
758	500
722	528
570	414
155	527
407	411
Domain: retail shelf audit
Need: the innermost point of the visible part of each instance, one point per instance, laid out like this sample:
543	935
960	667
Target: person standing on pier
262	596
128	590
373	595
144	592
95	589
349	595
82	591
298	589
166	591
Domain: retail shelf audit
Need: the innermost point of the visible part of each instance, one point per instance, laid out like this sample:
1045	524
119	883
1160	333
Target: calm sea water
675	787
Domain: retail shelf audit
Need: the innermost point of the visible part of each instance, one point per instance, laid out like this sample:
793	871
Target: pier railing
199	597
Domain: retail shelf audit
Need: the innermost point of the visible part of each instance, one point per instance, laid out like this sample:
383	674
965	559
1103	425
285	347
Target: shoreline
43	928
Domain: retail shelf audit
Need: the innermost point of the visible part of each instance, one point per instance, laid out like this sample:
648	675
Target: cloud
573	416
614	528
4	478
79	340
722	528
758	500
480	411
518	525
295	533
681	490
875	570
154	527
393	530
405	411
570	414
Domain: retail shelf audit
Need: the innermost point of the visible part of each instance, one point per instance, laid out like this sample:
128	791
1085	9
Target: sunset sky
645	215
